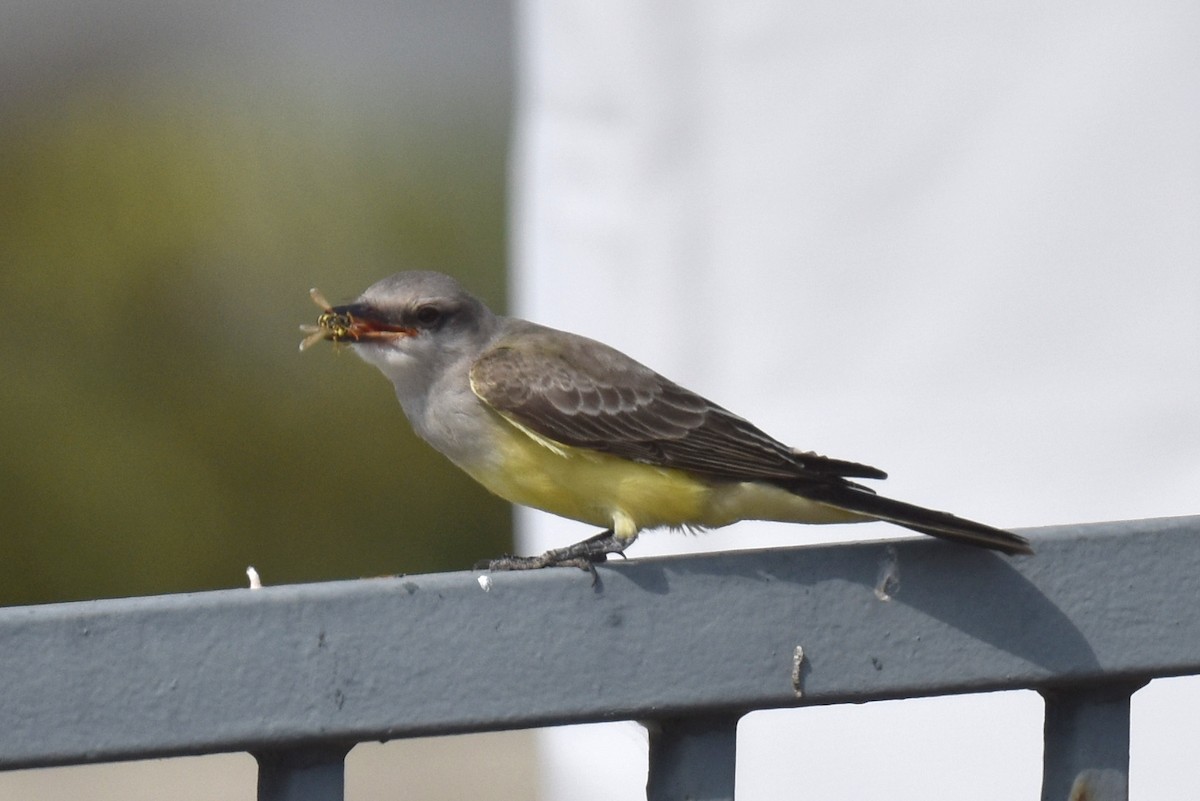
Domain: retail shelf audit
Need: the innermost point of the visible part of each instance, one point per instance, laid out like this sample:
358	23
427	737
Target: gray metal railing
296	675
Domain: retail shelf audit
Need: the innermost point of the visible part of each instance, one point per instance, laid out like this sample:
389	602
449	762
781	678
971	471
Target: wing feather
582	393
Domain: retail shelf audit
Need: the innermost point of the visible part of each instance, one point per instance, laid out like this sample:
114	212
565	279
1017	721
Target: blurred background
173	178
956	241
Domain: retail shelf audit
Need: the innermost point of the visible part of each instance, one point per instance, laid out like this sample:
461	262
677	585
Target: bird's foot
584	555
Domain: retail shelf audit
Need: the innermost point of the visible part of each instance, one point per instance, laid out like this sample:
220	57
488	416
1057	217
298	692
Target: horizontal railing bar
344	662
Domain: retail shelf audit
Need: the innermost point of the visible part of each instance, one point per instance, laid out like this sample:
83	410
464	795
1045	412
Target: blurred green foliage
159	431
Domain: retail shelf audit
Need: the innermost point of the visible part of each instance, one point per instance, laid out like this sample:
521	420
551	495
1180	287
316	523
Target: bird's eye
428	315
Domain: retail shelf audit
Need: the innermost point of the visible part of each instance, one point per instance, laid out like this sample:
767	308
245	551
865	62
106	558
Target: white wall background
961	243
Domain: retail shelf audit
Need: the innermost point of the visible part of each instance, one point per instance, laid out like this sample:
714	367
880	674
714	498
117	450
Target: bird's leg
585	555
593	550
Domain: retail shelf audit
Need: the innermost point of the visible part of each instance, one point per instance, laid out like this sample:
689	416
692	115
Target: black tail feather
926	521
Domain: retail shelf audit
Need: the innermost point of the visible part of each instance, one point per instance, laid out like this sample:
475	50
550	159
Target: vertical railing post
1086	752
692	759
302	774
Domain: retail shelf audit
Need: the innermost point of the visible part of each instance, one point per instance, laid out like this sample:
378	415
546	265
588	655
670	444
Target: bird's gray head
413	326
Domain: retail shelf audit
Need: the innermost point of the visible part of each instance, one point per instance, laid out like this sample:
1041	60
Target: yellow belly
611	492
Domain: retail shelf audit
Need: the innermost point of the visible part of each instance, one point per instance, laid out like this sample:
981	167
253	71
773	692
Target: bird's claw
584	555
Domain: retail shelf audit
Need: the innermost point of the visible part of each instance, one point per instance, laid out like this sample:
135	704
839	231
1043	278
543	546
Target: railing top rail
285	666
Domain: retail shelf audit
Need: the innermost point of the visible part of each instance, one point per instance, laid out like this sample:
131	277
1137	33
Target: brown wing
582	393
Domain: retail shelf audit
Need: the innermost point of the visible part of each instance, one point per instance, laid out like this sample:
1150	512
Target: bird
566	424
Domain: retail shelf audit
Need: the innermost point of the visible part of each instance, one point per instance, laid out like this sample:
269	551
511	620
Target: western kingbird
565	424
